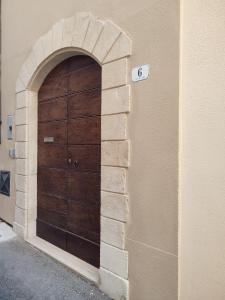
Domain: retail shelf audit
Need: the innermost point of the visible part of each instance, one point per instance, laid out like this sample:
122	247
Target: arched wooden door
69	158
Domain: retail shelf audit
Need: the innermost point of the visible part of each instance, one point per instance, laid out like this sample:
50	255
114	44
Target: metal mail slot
49	139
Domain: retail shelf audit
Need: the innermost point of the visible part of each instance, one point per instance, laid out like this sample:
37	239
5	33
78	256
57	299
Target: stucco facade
155	171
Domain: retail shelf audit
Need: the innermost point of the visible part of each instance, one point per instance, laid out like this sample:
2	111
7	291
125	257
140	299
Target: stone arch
110	47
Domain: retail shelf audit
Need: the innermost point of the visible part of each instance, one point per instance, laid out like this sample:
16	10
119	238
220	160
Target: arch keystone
57	32
81	26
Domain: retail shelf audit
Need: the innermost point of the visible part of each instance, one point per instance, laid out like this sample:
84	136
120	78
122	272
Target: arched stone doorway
107	44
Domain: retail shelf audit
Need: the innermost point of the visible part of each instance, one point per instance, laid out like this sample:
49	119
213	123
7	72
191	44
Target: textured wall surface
153	123
202	182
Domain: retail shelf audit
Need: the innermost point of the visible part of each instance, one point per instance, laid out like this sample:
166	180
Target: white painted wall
202	160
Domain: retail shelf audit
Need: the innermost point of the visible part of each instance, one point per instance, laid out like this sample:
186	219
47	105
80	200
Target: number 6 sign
140	73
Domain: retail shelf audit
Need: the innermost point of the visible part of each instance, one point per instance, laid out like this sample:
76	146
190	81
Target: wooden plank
52	182
79	61
84	130
84	186
53	88
52	156
84	249
52	203
87	156
88	77
52	217
52	110
51	234
84	219
86	103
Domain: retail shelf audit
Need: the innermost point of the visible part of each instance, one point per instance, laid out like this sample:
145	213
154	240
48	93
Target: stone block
114	74
57	32
107	38
116	100
114	179
21	149
114	260
21	183
113	232
20	216
21	166
115	153
21	117
94	30
21	100
114	127
114	206
121	48
22	133
21	200
114	286
81	26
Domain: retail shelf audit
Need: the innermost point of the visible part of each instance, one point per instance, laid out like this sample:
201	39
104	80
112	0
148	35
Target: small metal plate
140	73
48	139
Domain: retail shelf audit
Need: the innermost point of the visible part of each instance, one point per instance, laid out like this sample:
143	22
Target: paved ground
26	273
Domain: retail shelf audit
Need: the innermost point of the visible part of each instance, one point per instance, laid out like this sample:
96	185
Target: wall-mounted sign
140	73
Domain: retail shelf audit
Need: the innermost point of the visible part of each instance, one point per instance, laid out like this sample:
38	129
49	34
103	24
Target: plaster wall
202	160
153	123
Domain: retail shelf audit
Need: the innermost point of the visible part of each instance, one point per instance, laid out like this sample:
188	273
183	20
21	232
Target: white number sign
140	73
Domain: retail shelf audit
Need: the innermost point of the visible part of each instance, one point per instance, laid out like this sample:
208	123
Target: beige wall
154	28
202	267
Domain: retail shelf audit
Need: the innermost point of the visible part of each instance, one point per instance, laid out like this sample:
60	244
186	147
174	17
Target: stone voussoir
108	37
121	48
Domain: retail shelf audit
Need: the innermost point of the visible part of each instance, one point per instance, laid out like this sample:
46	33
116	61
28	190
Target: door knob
69	160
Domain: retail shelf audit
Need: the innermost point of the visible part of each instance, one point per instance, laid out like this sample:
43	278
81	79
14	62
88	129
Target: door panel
77	186
69	158
57	129
53	156
52	110
52	182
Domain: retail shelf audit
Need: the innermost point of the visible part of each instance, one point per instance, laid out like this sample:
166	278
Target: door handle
69	160
76	163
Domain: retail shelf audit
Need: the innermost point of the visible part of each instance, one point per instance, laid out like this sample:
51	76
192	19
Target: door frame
110	47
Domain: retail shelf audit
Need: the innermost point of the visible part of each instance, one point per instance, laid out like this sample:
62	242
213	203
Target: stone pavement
26	273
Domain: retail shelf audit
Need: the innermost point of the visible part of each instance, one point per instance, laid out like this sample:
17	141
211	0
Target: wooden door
69	158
